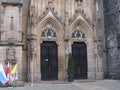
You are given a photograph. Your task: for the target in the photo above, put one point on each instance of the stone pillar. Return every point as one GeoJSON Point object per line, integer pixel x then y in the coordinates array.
{"type": "Point", "coordinates": [32, 42]}
{"type": "Point", "coordinates": [98, 43]}
{"type": "Point", "coordinates": [32, 58]}
{"type": "Point", "coordinates": [66, 38]}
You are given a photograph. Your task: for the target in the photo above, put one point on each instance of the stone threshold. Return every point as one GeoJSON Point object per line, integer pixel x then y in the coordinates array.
{"type": "Point", "coordinates": [84, 80]}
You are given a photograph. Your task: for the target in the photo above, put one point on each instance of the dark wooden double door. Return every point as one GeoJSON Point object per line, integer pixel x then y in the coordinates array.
{"type": "Point", "coordinates": [79, 52]}
{"type": "Point", "coordinates": [49, 61]}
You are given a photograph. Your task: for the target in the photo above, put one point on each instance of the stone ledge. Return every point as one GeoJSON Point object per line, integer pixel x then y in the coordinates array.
{"type": "Point", "coordinates": [8, 44]}
{"type": "Point", "coordinates": [12, 3]}
{"type": "Point", "coordinates": [84, 80]}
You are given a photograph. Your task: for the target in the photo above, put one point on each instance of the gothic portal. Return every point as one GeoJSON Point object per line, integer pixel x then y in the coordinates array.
{"type": "Point", "coordinates": [42, 33]}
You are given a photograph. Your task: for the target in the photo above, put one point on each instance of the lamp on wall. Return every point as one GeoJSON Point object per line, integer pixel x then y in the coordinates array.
{"type": "Point", "coordinates": [79, 38]}
{"type": "Point", "coordinates": [49, 37]}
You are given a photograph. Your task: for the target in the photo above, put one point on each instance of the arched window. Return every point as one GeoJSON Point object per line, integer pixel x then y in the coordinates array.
{"type": "Point", "coordinates": [48, 32]}
{"type": "Point", "coordinates": [78, 34]}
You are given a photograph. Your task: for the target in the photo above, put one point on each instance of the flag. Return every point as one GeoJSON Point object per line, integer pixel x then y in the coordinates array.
{"type": "Point", "coordinates": [3, 78]}
{"type": "Point", "coordinates": [14, 69]}
{"type": "Point", "coordinates": [8, 71]}
{"type": "Point", "coordinates": [13, 74]}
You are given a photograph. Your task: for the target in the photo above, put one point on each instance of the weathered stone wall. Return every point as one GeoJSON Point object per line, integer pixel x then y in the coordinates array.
{"type": "Point", "coordinates": [25, 16]}
{"type": "Point", "coordinates": [59, 6]}
{"type": "Point", "coordinates": [111, 18]}
{"type": "Point", "coordinates": [18, 58]}
{"type": "Point", "coordinates": [19, 26]}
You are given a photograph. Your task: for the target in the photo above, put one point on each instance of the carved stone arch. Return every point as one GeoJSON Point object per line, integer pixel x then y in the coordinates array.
{"type": "Point", "coordinates": [50, 14]}
{"type": "Point", "coordinates": [52, 21]}
{"type": "Point", "coordinates": [84, 26]}
{"type": "Point", "coordinates": [89, 41]}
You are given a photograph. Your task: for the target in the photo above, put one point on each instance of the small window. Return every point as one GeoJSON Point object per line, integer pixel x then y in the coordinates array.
{"type": "Point", "coordinates": [78, 34]}
{"type": "Point", "coordinates": [49, 32]}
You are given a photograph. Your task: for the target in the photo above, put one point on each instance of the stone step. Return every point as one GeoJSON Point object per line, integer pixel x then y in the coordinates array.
{"type": "Point", "coordinates": [17, 83]}
{"type": "Point", "coordinates": [84, 80]}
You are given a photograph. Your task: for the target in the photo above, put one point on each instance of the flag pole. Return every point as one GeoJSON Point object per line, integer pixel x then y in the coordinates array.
{"type": "Point", "coordinates": [32, 71]}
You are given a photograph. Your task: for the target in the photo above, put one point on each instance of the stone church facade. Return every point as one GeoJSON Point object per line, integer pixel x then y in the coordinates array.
{"type": "Point", "coordinates": [39, 35]}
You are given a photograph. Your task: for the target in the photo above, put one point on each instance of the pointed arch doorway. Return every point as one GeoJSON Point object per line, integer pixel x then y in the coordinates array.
{"type": "Point", "coordinates": [79, 52]}
{"type": "Point", "coordinates": [49, 60]}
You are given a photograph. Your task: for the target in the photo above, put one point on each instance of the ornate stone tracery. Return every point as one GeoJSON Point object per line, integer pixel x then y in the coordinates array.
{"type": "Point", "coordinates": [78, 34]}
{"type": "Point", "coordinates": [49, 31]}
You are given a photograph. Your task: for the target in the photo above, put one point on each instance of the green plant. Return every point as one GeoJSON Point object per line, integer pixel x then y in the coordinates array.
{"type": "Point", "coordinates": [70, 70]}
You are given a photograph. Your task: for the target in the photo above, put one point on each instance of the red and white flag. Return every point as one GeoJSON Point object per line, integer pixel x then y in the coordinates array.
{"type": "Point", "coordinates": [8, 71]}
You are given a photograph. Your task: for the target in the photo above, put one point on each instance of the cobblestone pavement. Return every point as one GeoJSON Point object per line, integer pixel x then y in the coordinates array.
{"type": "Point", "coordinates": [76, 85]}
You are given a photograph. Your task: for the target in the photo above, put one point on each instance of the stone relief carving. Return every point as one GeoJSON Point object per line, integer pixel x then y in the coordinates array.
{"type": "Point", "coordinates": [50, 7]}
{"type": "Point", "coordinates": [32, 48]}
{"type": "Point", "coordinates": [100, 48]}
{"type": "Point", "coordinates": [112, 44]}
{"type": "Point", "coordinates": [10, 55]}
{"type": "Point", "coordinates": [32, 16]}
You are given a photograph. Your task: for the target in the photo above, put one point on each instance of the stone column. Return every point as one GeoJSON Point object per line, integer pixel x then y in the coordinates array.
{"type": "Point", "coordinates": [32, 58]}
{"type": "Point", "coordinates": [32, 41]}
{"type": "Point", "coordinates": [66, 37]}
{"type": "Point", "coordinates": [98, 43]}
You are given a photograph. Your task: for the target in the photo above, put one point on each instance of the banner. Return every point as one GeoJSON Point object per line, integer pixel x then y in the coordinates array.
{"type": "Point", "coordinates": [3, 78]}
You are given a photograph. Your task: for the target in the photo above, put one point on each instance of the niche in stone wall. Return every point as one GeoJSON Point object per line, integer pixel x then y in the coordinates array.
{"type": "Point", "coordinates": [11, 27]}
